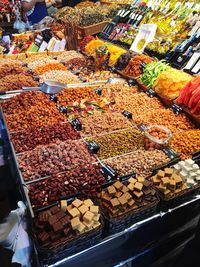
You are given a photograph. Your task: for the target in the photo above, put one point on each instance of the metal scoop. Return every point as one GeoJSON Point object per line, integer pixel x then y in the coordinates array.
{"type": "Point", "coordinates": [52, 87]}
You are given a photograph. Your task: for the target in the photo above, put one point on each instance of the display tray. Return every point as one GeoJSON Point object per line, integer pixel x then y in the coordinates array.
{"type": "Point", "coordinates": [127, 77]}
{"type": "Point", "coordinates": [69, 247]}
{"type": "Point", "coordinates": [117, 224]}
{"type": "Point", "coordinates": [93, 29]}
{"type": "Point", "coordinates": [178, 199]}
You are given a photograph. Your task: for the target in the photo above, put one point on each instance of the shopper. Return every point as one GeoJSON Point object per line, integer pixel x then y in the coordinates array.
{"type": "Point", "coordinates": [73, 3]}
{"type": "Point", "coordinates": [35, 10]}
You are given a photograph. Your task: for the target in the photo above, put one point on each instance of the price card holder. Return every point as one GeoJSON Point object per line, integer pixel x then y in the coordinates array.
{"type": "Point", "coordinates": [76, 124]}
{"type": "Point", "coordinates": [176, 109]}
{"type": "Point", "coordinates": [141, 127]}
{"type": "Point", "coordinates": [36, 78]}
{"type": "Point", "coordinates": [170, 153]}
{"type": "Point", "coordinates": [98, 91]}
{"type": "Point", "coordinates": [30, 71]}
{"type": "Point", "coordinates": [127, 114]}
{"type": "Point", "coordinates": [62, 109]}
{"type": "Point", "coordinates": [84, 80]}
{"type": "Point", "coordinates": [131, 82]}
{"type": "Point", "coordinates": [196, 156]}
{"type": "Point", "coordinates": [53, 98]}
{"type": "Point", "coordinates": [109, 173]}
{"type": "Point", "coordinates": [126, 177]}
{"type": "Point", "coordinates": [111, 69]}
{"type": "Point", "coordinates": [93, 147]}
{"type": "Point", "coordinates": [151, 93]}
{"type": "Point", "coordinates": [142, 66]}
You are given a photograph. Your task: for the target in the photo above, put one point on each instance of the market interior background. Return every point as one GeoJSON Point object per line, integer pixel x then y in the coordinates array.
{"type": "Point", "coordinates": [100, 138]}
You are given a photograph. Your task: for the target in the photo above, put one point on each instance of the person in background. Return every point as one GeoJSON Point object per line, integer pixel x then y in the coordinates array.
{"type": "Point", "coordinates": [73, 3]}
{"type": "Point", "coordinates": [35, 10]}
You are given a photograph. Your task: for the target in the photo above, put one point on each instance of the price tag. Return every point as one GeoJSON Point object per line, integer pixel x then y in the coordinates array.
{"type": "Point", "coordinates": [170, 153]}
{"type": "Point", "coordinates": [141, 127]}
{"type": "Point", "coordinates": [62, 109]}
{"type": "Point", "coordinates": [75, 72]}
{"type": "Point", "coordinates": [151, 93]}
{"type": "Point", "coordinates": [53, 98]}
{"type": "Point", "coordinates": [176, 109]}
{"type": "Point", "coordinates": [84, 80]}
{"type": "Point", "coordinates": [98, 91]}
{"type": "Point", "coordinates": [126, 177]}
{"type": "Point", "coordinates": [196, 155]}
{"type": "Point", "coordinates": [76, 124]}
{"type": "Point", "coordinates": [142, 66]}
{"type": "Point", "coordinates": [93, 147]}
{"type": "Point", "coordinates": [111, 69]}
{"type": "Point", "coordinates": [30, 71]}
{"type": "Point", "coordinates": [108, 173]}
{"type": "Point", "coordinates": [131, 82]}
{"type": "Point", "coordinates": [36, 78]}
{"type": "Point", "coordinates": [127, 114]}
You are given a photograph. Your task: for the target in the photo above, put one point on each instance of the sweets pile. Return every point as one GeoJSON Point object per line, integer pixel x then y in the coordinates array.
{"type": "Point", "coordinates": [58, 224]}
{"type": "Point", "coordinates": [118, 198]}
{"type": "Point", "coordinates": [189, 171]}
{"type": "Point", "coordinates": [134, 68]}
{"type": "Point", "coordinates": [168, 182]}
{"type": "Point", "coordinates": [49, 190]}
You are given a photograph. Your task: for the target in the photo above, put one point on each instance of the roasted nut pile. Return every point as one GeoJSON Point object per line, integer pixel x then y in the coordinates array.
{"type": "Point", "coordinates": [100, 123]}
{"type": "Point", "coordinates": [119, 142]}
{"type": "Point", "coordinates": [141, 162]}
{"type": "Point", "coordinates": [167, 118]}
{"type": "Point", "coordinates": [73, 96]}
{"type": "Point", "coordinates": [66, 56]}
{"type": "Point", "coordinates": [31, 138]}
{"type": "Point", "coordinates": [53, 158]}
{"type": "Point", "coordinates": [16, 82]}
{"type": "Point", "coordinates": [60, 76]}
{"type": "Point", "coordinates": [34, 64]}
{"type": "Point", "coordinates": [85, 179]}
{"type": "Point", "coordinates": [49, 67]}
{"type": "Point", "coordinates": [138, 104]}
{"type": "Point", "coordinates": [186, 143]}
{"type": "Point", "coordinates": [118, 92]}
{"type": "Point", "coordinates": [11, 67]}
{"type": "Point", "coordinates": [30, 109]}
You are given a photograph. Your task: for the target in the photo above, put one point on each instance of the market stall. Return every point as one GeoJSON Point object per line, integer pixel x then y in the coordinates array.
{"type": "Point", "coordinates": [103, 141]}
